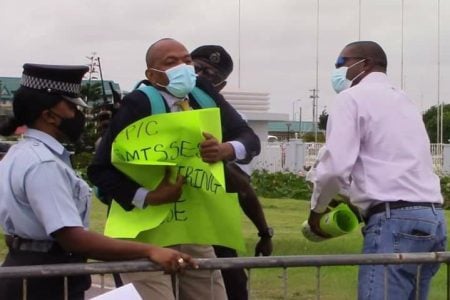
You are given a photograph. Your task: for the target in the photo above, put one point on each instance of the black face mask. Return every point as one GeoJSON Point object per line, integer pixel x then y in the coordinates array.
{"type": "Point", "coordinates": [72, 127]}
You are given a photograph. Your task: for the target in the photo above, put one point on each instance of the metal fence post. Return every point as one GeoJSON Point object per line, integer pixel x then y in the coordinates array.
{"type": "Point", "coordinates": [176, 280]}
{"type": "Point", "coordinates": [318, 283]}
{"type": "Point", "coordinates": [66, 288]}
{"type": "Point", "coordinates": [285, 277]}
{"type": "Point", "coordinates": [386, 284]}
{"type": "Point", "coordinates": [24, 289]}
{"type": "Point", "coordinates": [419, 274]}
{"type": "Point", "coordinates": [249, 286]}
{"type": "Point", "coordinates": [448, 281]}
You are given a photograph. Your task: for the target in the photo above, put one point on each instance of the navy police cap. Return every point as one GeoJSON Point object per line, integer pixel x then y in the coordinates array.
{"type": "Point", "coordinates": [216, 56]}
{"type": "Point", "coordinates": [55, 79]}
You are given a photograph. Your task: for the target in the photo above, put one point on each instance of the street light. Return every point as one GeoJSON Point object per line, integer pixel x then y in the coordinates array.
{"type": "Point", "coordinates": [300, 116]}
{"type": "Point", "coordinates": [315, 102]}
{"type": "Point", "coordinates": [293, 109]}
{"type": "Point", "coordinates": [300, 122]}
{"type": "Point", "coordinates": [288, 125]}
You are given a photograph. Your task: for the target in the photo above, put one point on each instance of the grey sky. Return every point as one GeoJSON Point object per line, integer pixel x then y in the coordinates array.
{"type": "Point", "coordinates": [278, 40]}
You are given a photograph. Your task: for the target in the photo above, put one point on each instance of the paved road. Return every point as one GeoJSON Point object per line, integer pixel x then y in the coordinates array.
{"type": "Point", "coordinates": [98, 287]}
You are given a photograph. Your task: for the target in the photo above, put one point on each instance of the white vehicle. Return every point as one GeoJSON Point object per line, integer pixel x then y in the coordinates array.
{"type": "Point", "coordinates": [272, 138]}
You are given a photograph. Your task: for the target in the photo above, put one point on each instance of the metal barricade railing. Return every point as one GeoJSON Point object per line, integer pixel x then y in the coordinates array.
{"type": "Point", "coordinates": [437, 154]}
{"type": "Point", "coordinates": [272, 156]}
{"type": "Point", "coordinates": [311, 152]}
{"type": "Point", "coordinates": [248, 263]}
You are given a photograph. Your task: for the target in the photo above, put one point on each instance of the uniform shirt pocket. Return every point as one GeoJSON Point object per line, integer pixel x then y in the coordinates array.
{"type": "Point", "coordinates": [82, 196]}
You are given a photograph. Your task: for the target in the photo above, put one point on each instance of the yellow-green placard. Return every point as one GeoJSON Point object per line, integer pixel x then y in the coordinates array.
{"type": "Point", "coordinates": [205, 213]}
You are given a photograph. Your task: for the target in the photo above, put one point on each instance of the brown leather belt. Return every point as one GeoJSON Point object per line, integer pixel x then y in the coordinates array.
{"type": "Point", "coordinates": [17, 243]}
{"type": "Point", "coordinates": [379, 208]}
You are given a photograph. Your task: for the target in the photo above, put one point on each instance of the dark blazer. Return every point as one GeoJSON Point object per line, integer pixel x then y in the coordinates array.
{"type": "Point", "coordinates": [136, 106]}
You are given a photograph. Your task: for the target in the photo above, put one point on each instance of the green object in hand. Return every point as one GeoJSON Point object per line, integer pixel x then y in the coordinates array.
{"type": "Point", "coordinates": [339, 220]}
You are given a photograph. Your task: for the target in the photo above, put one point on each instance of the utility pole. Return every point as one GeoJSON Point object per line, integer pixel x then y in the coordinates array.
{"type": "Point", "coordinates": [300, 123]}
{"type": "Point", "coordinates": [315, 102]}
{"type": "Point", "coordinates": [93, 64]}
{"type": "Point", "coordinates": [315, 95]}
{"type": "Point", "coordinates": [299, 116]}
{"type": "Point", "coordinates": [239, 45]}
{"type": "Point", "coordinates": [105, 100]}
{"type": "Point", "coordinates": [439, 137]}
{"type": "Point", "coordinates": [94, 72]}
{"type": "Point", "coordinates": [293, 110]}
{"type": "Point", "coordinates": [288, 125]}
{"type": "Point", "coordinates": [95, 67]}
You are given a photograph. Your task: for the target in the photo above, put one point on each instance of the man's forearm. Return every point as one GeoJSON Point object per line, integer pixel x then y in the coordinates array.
{"type": "Point", "coordinates": [113, 183]}
{"type": "Point", "coordinates": [252, 208]}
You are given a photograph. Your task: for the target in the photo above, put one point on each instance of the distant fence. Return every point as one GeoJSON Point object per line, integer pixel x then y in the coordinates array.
{"type": "Point", "coordinates": [293, 156]}
{"type": "Point", "coordinates": [249, 263]}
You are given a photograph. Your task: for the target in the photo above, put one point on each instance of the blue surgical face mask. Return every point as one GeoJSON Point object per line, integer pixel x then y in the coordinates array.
{"type": "Point", "coordinates": [339, 79]}
{"type": "Point", "coordinates": [182, 80]}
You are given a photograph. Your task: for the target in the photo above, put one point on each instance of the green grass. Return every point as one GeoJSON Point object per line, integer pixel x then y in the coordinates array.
{"type": "Point", "coordinates": [286, 216]}
{"type": "Point", "coordinates": [336, 283]}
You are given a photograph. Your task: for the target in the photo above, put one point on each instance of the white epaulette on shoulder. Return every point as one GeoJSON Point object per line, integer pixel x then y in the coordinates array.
{"type": "Point", "coordinates": [41, 151]}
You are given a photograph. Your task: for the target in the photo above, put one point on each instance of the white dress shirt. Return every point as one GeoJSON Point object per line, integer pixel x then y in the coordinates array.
{"type": "Point", "coordinates": [376, 137]}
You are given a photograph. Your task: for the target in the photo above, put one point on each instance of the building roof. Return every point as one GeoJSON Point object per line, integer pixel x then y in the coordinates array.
{"type": "Point", "coordinates": [294, 126]}
{"type": "Point", "coordinates": [8, 85]}
{"type": "Point", "coordinates": [106, 84]}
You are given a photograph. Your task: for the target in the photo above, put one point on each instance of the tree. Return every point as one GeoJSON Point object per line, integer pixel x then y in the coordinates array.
{"type": "Point", "coordinates": [430, 120]}
{"type": "Point", "coordinates": [91, 93]}
{"type": "Point", "coordinates": [309, 137]}
{"type": "Point", "coordinates": [323, 119]}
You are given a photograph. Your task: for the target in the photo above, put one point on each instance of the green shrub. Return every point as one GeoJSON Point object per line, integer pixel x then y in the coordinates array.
{"type": "Point", "coordinates": [280, 185]}
{"type": "Point", "coordinates": [80, 162]}
{"type": "Point", "coordinates": [309, 137]}
{"type": "Point", "coordinates": [290, 185]}
{"type": "Point", "coordinates": [445, 189]}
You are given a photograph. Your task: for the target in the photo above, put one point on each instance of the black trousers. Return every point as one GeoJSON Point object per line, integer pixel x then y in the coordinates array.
{"type": "Point", "coordinates": [39, 288]}
{"type": "Point", "coordinates": [235, 279]}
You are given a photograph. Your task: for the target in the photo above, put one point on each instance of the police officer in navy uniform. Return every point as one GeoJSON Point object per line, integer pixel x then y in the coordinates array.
{"type": "Point", "coordinates": [44, 204]}
{"type": "Point", "coordinates": [215, 64]}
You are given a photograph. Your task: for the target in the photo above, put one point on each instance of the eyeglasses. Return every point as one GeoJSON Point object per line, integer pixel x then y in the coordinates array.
{"type": "Point", "coordinates": [342, 59]}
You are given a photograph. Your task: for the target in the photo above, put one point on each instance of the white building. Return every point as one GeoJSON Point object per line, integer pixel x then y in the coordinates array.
{"type": "Point", "coordinates": [255, 108]}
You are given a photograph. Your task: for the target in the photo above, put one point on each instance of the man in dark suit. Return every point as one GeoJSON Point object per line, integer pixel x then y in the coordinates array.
{"type": "Point", "coordinates": [215, 64]}
{"type": "Point", "coordinates": [170, 70]}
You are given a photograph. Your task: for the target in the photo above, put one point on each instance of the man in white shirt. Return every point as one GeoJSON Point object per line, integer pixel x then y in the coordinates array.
{"type": "Point", "coordinates": [376, 138]}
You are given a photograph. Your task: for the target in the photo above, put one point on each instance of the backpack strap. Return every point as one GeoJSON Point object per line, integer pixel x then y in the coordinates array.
{"type": "Point", "coordinates": [138, 84]}
{"type": "Point", "coordinates": [154, 97]}
{"type": "Point", "coordinates": [157, 103]}
{"type": "Point", "coordinates": [203, 99]}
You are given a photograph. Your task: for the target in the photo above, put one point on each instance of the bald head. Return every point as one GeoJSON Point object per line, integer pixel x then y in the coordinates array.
{"type": "Point", "coordinates": [370, 50]}
{"type": "Point", "coordinates": [163, 55]}
{"type": "Point", "coordinates": [161, 49]}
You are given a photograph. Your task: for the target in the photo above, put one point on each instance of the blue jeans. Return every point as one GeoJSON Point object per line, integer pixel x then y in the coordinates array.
{"type": "Point", "coordinates": [409, 229]}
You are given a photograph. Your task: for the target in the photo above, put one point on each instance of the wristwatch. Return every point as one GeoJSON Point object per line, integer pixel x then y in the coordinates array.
{"type": "Point", "coordinates": [268, 233]}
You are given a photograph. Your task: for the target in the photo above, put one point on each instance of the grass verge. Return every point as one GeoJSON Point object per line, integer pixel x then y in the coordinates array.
{"type": "Point", "coordinates": [286, 216]}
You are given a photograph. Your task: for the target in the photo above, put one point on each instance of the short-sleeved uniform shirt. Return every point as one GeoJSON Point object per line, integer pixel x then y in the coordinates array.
{"type": "Point", "coordinates": [39, 191]}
